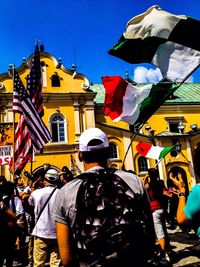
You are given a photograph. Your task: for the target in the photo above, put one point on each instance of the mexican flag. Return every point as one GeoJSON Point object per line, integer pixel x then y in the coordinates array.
{"type": "Point", "coordinates": [165, 40]}
{"type": "Point", "coordinates": [133, 104]}
{"type": "Point", "coordinates": [153, 152]}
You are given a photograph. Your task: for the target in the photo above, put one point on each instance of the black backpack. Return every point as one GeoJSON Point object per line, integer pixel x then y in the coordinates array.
{"type": "Point", "coordinates": [112, 225]}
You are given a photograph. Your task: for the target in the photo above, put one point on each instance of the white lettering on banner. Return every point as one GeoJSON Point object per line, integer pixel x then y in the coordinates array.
{"type": "Point", "coordinates": [5, 160]}
{"type": "Point", "coordinates": [5, 155]}
{"type": "Point", "coordinates": [5, 150]}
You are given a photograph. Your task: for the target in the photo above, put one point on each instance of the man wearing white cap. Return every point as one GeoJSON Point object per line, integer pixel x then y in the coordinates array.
{"type": "Point", "coordinates": [99, 183]}
{"type": "Point", "coordinates": [44, 231]}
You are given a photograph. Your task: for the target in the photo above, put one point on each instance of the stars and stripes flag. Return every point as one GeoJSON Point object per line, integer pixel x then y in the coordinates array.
{"type": "Point", "coordinates": [34, 84]}
{"type": "Point", "coordinates": [30, 105]}
{"type": "Point", "coordinates": [22, 103]}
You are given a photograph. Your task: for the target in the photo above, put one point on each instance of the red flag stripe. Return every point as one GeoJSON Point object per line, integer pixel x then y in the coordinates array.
{"type": "Point", "coordinates": [143, 148]}
{"type": "Point", "coordinates": [115, 87]}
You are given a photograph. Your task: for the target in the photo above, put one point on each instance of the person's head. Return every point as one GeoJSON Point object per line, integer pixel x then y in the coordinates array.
{"type": "Point", "coordinates": [18, 180]}
{"type": "Point", "coordinates": [30, 180]}
{"type": "Point", "coordinates": [196, 161]}
{"type": "Point", "coordinates": [51, 176]}
{"type": "Point", "coordinates": [2, 179]}
{"type": "Point", "coordinates": [65, 175]}
{"type": "Point", "coordinates": [94, 147]}
{"type": "Point", "coordinates": [153, 175]}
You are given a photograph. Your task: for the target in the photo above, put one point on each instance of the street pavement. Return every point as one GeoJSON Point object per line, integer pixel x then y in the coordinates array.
{"type": "Point", "coordinates": [182, 242]}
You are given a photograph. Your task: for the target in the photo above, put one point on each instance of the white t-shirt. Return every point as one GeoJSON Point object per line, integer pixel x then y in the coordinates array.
{"type": "Point", "coordinates": [45, 226]}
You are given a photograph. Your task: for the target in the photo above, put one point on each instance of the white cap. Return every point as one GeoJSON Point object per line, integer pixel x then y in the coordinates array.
{"type": "Point", "coordinates": [52, 175]}
{"type": "Point", "coordinates": [89, 135]}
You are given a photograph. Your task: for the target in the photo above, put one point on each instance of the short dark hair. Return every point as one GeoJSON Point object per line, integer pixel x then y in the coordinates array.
{"type": "Point", "coordinates": [99, 155]}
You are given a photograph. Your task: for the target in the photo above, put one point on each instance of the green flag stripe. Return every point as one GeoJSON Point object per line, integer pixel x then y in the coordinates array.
{"type": "Point", "coordinates": [165, 151]}
{"type": "Point", "coordinates": [159, 93]}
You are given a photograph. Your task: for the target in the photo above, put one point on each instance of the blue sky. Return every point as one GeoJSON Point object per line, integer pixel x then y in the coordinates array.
{"type": "Point", "coordinates": [79, 31]}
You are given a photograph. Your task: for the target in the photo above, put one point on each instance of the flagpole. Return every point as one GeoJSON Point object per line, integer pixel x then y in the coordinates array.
{"type": "Point", "coordinates": [31, 167]}
{"type": "Point", "coordinates": [132, 139]}
{"type": "Point", "coordinates": [187, 76]}
{"type": "Point", "coordinates": [158, 163]}
{"type": "Point", "coordinates": [13, 158]}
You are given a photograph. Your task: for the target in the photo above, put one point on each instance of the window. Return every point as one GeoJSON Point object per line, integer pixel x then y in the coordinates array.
{"type": "Point", "coordinates": [173, 127]}
{"type": "Point", "coordinates": [142, 164]}
{"type": "Point", "coordinates": [57, 128]}
{"type": "Point", "coordinates": [113, 153]}
{"type": "Point", "coordinates": [55, 80]}
{"type": "Point", "coordinates": [175, 124]}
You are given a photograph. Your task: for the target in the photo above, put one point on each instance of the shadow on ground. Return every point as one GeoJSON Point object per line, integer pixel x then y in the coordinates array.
{"type": "Point", "coordinates": [184, 250]}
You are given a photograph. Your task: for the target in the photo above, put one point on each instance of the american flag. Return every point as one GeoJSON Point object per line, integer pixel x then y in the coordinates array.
{"type": "Point", "coordinates": [34, 84]}
{"type": "Point", "coordinates": [38, 131]}
{"type": "Point", "coordinates": [32, 98]}
{"type": "Point", "coordinates": [23, 146]}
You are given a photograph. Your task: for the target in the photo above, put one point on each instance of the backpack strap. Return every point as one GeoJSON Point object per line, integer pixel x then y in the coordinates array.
{"type": "Point", "coordinates": [45, 204]}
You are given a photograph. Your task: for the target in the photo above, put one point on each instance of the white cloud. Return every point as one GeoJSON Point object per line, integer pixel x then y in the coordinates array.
{"type": "Point", "coordinates": [144, 75]}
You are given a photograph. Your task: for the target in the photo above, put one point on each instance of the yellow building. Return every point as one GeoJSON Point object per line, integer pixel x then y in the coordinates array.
{"type": "Point", "coordinates": [72, 104]}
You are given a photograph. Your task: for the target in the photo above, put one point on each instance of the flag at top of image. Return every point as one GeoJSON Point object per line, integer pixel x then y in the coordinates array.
{"type": "Point", "coordinates": [153, 152]}
{"type": "Point", "coordinates": [133, 104]}
{"type": "Point", "coordinates": [168, 41]}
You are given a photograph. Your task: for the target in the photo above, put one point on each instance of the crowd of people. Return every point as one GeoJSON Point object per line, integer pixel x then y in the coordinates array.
{"type": "Point", "coordinates": [101, 218]}
{"type": "Point", "coordinates": [24, 221]}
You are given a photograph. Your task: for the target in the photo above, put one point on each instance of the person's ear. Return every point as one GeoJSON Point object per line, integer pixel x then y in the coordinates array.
{"type": "Point", "coordinates": [80, 156]}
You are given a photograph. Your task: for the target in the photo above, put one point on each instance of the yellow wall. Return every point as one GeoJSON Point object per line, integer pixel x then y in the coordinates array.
{"type": "Point", "coordinates": [74, 100]}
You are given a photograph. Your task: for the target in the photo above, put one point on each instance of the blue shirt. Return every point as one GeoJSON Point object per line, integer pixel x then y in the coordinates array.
{"type": "Point", "coordinates": [192, 208]}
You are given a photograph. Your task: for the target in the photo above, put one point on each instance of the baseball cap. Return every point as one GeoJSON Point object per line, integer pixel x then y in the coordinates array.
{"type": "Point", "coordinates": [52, 175]}
{"type": "Point", "coordinates": [92, 134]}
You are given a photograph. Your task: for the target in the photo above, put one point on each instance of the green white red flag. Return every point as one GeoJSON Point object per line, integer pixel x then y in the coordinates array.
{"type": "Point", "coordinates": [133, 104]}
{"type": "Point", "coordinates": [163, 39]}
{"type": "Point", "coordinates": [153, 152]}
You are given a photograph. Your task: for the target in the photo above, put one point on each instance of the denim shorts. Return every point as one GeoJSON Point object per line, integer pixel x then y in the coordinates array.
{"type": "Point", "coordinates": [159, 220]}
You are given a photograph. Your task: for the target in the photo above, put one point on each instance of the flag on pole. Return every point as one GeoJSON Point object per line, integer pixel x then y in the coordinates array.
{"type": "Point", "coordinates": [133, 104]}
{"type": "Point", "coordinates": [153, 152]}
{"type": "Point", "coordinates": [23, 146]}
{"type": "Point", "coordinates": [165, 40]}
{"type": "Point", "coordinates": [23, 143]}
{"type": "Point", "coordinates": [34, 83]}
{"type": "Point", "coordinates": [22, 103]}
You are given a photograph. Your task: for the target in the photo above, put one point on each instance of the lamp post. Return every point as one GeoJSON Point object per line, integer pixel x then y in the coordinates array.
{"type": "Point", "coordinates": [194, 127]}
{"type": "Point", "coordinates": [181, 127]}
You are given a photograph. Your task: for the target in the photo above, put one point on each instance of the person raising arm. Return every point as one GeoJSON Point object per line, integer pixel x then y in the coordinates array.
{"type": "Point", "coordinates": [189, 208]}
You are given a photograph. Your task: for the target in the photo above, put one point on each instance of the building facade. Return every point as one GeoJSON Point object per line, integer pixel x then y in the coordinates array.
{"type": "Point", "coordinates": [72, 104]}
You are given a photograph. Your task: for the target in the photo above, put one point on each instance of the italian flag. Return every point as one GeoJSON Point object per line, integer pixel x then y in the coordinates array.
{"type": "Point", "coordinates": [153, 152]}
{"type": "Point", "coordinates": [133, 104]}
{"type": "Point", "coordinates": [165, 40]}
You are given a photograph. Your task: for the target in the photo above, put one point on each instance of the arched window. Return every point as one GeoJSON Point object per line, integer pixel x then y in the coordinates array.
{"type": "Point", "coordinates": [55, 80]}
{"type": "Point", "coordinates": [113, 153]}
{"type": "Point", "coordinates": [57, 128]}
{"type": "Point", "coordinates": [142, 164]}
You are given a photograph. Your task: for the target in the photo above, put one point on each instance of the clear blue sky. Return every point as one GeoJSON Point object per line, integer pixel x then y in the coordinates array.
{"type": "Point", "coordinates": [79, 31]}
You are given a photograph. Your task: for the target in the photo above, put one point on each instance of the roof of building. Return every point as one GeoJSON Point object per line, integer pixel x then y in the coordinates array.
{"type": "Point", "coordinates": [187, 93]}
